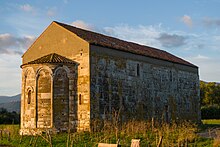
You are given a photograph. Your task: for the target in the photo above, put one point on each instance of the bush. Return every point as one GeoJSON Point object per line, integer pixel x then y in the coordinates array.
{"type": "Point", "coordinates": [210, 112]}
{"type": "Point", "coordinates": [9, 117]}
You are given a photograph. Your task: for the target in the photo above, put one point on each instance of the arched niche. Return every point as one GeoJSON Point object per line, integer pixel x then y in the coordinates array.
{"type": "Point", "coordinates": [61, 99]}
{"type": "Point", "coordinates": [29, 96]}
{"type": "Point", "coordinates": [28, 105]}
{"type": "Point", "coordinates": [29, 81]}
{"type": "Point", "coordinates": [44, 101]}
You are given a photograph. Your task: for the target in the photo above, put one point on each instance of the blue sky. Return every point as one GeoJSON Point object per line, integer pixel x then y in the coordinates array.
{"type": "Point", "coordinates": [189, 29]}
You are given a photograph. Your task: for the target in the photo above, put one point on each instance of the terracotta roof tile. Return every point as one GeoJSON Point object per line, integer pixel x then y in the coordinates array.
{"type": "Point", "coordinates": [111, 42]}
{"type": "Point", "coordinates": [51, 58]}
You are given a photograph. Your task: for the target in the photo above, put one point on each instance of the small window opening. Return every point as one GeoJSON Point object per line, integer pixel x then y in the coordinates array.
{"type": "Point", "coordinates": [29, 97]}
{"type": "Point", "coordinates": [171, 76]}
{"type": "Point", "coordinates": [80, 99]}
{"type": "Point", "coordinates": [138, 70]}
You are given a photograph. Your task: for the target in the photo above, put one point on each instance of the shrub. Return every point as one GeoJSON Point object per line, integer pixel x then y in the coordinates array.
{"type": "Point", "coordinates": [9, 117]}
{"type": "Point", "coordinates": [210, 112]}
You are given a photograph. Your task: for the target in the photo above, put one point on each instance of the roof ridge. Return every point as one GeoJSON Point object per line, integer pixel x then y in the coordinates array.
{"type": "Point", "coordinates": [103, 40]}
{"type": "Point", "coordinates": [59, 23]}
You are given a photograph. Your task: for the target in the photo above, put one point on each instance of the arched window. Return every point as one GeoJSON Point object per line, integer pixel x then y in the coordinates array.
{"type": "Point", "coordinates": [29, 97]}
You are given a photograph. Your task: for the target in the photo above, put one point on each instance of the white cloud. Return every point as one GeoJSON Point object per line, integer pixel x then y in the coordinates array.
{"type": "Point", "coordinates": [154, 36]}
{"type": "Point", "coordinates": [26, 7]}
{"type": "Point", "coordinates": [187, 20]}
{"type": "Point", "coordinates": [51, 11]}
{"type": "Point", "coordinates": [10, 44]}
{"type": "Point", "coordinates": [140, 34]}
{"type": "Point", "coordinates": [83, 25]}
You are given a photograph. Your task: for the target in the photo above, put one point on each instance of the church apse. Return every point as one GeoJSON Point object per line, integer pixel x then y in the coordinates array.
{"type": "Point", "coordinates": [48, 96]}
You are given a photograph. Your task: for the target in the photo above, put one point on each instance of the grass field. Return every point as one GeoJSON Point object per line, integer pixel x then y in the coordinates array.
{"type": "Point", "coordinates": [184, 134]}
{"type": "Point", "coordinates": [211, 121]}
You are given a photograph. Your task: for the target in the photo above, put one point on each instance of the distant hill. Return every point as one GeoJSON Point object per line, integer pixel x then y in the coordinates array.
{"type": "Point", "coordinates": [6, 99]}
{"type": "Point", "coordinates": [11, 106]}
{"type": "Point", "coordinates": [11, 103]}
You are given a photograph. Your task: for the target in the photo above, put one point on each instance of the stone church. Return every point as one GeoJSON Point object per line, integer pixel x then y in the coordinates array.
{"type": "Point", "coordinates": [72, 76]}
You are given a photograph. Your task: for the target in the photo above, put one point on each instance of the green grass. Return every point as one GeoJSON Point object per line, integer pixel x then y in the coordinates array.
{"type": "Point", "coordinates": [210, 124]}
{"type": "Point", "coordinates": [173, 135]}
{"type": "Point", "coordinates": [211, 121]}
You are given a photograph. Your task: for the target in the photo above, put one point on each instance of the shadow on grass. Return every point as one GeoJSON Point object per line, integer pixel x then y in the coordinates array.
{"type": "Point", "coordinates": [209, 126]}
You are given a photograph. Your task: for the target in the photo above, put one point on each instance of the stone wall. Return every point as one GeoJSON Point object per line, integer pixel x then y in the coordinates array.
{"type": "Point", "coordinates": [61, 99]}
{"type": "Point", "coordinates": [49, 98]}
{"type": "Point", "coordinates": [28, 94]}
{"type": "Point", "coordinates": [142, 88]}
{"type": "Point", "coordinates": [56, 39]}
{"type": "Point", "coordinates": [44, 99]}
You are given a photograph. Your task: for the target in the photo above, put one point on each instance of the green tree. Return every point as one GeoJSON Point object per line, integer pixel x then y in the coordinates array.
{"type": "Point", "coordinates": [209, 93]}
{"type": "Point", "coordinates": [8, 117]}
{"type": "Point", "coordinates": [202, 92]}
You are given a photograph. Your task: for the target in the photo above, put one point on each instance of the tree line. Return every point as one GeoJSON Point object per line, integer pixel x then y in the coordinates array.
{"type": "Point", "coordinates": [209, 93]}
{"type": "Point", "coordinates": [210, 100]}
{"type": "Point", "coordinates": [9, 117]}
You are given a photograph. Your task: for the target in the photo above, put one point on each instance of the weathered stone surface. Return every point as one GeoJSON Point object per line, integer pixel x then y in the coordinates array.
{"type": "Point", "coordinates": [52, 103]}
{"type": "Point", "coordinates": [102, 81]}
{"type": "Point", "coordinates": [139, 89]}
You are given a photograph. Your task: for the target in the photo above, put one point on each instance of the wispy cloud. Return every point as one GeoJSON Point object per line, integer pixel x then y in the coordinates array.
{"type": "Point", "coordinates": [140, 34]}
{"type": "Point", "coordinates": [201, 57]}
{"type": "Point", "coordinates": [159, 37]}
{"type": "Point", "coordinates": [65, 1]}
{"type": "Point", "coordinates": [51, 11]}
{"type": "Point", "coordinates": [171, 40]}
{"type": "Point", "coordinates": [39, 11]}
{"type": "Point", "coordinates": [27, 8]}
{"type": "Point", "coordinates": [10, 44]}
{"type": "Point", "coordinates": [187, 20]}
{"type": "Point", "coordinates": [83, 25]}
{"type": "Point", "coordinates": [207, 21]}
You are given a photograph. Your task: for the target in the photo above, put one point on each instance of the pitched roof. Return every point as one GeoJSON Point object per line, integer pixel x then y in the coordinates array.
{"type": "Point", "coordinates": [114, 43]}
{"type": "Point", "coordinates": [51, 58]}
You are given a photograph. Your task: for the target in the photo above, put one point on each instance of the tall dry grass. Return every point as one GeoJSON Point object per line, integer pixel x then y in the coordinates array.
{"type": "Point", "coordinates": [151, 133]}
{"type": "Point", "coordinates": [216, 142]}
